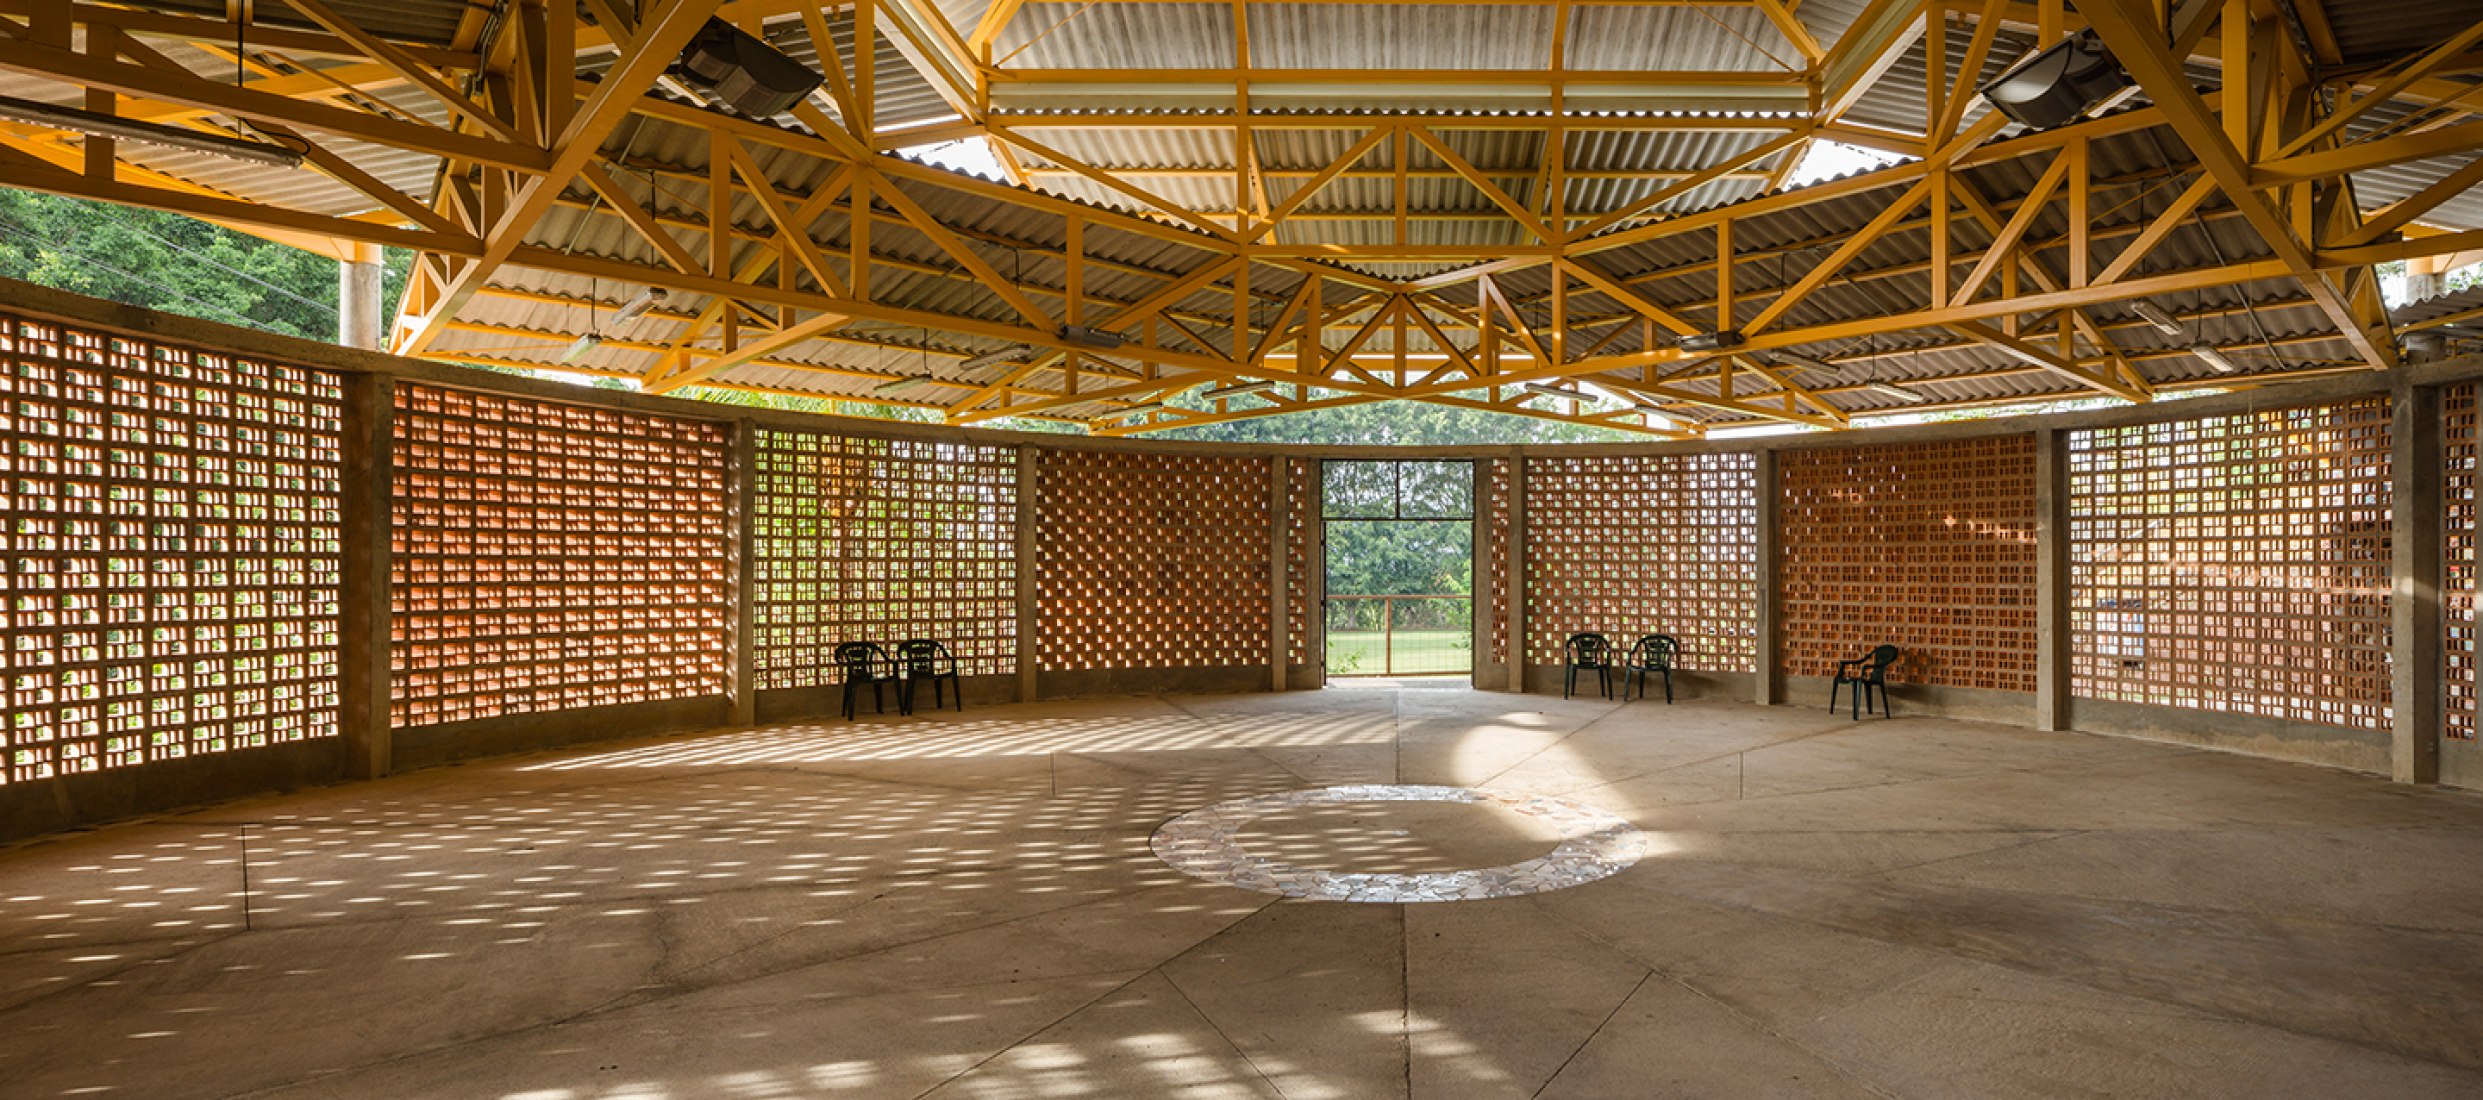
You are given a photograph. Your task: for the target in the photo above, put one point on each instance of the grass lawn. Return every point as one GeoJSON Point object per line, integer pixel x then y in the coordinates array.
{"type": "Point", "coordinates": [1362, 652]}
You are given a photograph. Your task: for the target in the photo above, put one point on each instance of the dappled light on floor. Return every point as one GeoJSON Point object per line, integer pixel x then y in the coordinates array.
{"type": "Point", "coordinates": [970, 907]}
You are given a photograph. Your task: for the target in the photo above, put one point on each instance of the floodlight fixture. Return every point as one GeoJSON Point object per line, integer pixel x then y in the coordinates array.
{"type": "Point", "coordinates": [2056, 85]}
{"type": "Point", "coordinates": [745, 72]}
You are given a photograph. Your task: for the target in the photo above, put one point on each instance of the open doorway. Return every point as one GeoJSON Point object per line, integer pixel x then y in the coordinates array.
{"type": "Point", "coordinates": [1398, 598]}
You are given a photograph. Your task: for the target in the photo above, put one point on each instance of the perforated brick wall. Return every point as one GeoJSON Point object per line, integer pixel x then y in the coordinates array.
{"type": "Point", "coordinates": [1149, 561]}
{"type": "Point", "coordinates": [170, 576]}
{"type": "Point", "coordinates": [1629, 546]}
{"type": "Point", "coordinates": [1929, 546]}
{"type": "Point", "coordinates": [2458, 405]}
{"type": "Point", "coordinates": [1494, 552]}
{"type": "Point", "coordinates": [2235, 563]}
{"type": "Point", "coordinates": [551, 557]}
{"type": "Point", "coordinates": [882, 540]}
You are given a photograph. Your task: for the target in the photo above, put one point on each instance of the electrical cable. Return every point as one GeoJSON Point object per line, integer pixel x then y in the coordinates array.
{"type": "Point", "coordinates": [39, 242]}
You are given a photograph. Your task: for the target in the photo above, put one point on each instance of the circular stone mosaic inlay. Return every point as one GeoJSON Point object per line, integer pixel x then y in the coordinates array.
{"type": "Point", "coordinates": [1594, 844]}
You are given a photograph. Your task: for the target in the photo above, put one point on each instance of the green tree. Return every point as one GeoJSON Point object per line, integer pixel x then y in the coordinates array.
{"type": "Point", "coordinates": [175, 264]}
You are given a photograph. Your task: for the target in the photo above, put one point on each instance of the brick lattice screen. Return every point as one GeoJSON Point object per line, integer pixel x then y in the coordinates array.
{"type": "Point", "coordinates": [2235, 563]}
{"type": "Point", "coordinates": [1628, 546]}
{"type": "Point", "coordinates": [2458, 403]}
{"type": "Point", "coordinates": [882, 540]}
{"type": "Point", "coordinates": [171, 567]}
{"type": "Point", "coordinates": [1302, 559]}
{"type": "Point", "coordinates": [1930, 546]}
{"type": "Point", "coordinates": [552, 556]}
{"type": "Point", "coordinates": [1150, 561]}
{"type": "Point", "coordinates": [1493, 551]}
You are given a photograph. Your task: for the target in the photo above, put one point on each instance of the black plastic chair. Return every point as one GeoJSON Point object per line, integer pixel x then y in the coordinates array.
{"type": "Point", "coordinates": [1654, 653]}
{"type": "Point", "coordinates": [924, 659]}
{"type": "Point", "coordinates": [867, 663]}
{"type": "Point", "coordinates": [1865, 672]}
{"type": "Point", "coordinates": [1589, 653]}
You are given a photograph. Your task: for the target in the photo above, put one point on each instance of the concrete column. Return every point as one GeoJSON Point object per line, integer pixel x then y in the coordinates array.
{"type": "Point", "coordinates": [1027, 681]}
{"type": "Point", "coordinates": [1767, 688]}
{"type": "Point", "coordinates": [1279, 595]}
{"type": "Point", "coordinates": [357, 299]}
{"type": "Point", "coordinates": [1517, 571]}
{"type": "Point", "coordinates": [367, 526]}
{"type": "Point", "coordinates": [2051, 579]}
{"type": "Point", "coordinates": [741, 564]}
{"type": "Point", "coordinates": [2417, 629]}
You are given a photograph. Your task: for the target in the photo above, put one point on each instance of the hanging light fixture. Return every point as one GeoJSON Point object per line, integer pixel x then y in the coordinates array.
{"type": "Point", "coordinates": [99, 124]}
{"type": "Point", "coordinates": [2154, 314]}
{"type": "Point", "coordinates": [1242, 389]}
{"type": "Point", "coordinates": [1891, 389]}
{"type": "Point", "coordinates": [2223, 364]}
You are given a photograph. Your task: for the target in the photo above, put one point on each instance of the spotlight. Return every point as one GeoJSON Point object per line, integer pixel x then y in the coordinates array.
{"type": "Point", "coordinates": [1894, 390]}
{"type": "Point", "coordinates": [1712, 341]}
{"type": "Point", "coordinates": [173, 137]}
{"type": "Point", "coordinates": [745, 72]}
{"type": "Point", "coordinates": [1243, 389]}
{"type": "Point", "coordinates": [2223, 363]}
{"type": "Point", "coordinates": [1090, 337]}
{"type": "Point", "coordinates": [2057, 84]}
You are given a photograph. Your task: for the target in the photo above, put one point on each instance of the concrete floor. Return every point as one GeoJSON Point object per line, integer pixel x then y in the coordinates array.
{"type": "Point", "coordinates": [966, 906]}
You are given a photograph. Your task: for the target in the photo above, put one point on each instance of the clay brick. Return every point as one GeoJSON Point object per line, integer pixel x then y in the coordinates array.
{"type": "Point", "coordinates": [2235, 563]}
{"type": "Point", "coordinates": [170, 577]}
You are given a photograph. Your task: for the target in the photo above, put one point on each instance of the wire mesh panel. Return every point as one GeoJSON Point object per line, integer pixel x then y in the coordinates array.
{"type": "Point", "coordinates": [1416, 635]}
{"type": "Point", "coordinates": [1629, 546]}
{"type": "Point", "coordinates": [552, 556]}
{"type": "Point", "coordinates": [882, 540]}
{"type": "Point", "coordinates": [1301, 557]}
{"type": "Point", "coordinates": [2458, 403]}
{"type": "Point", "coordinates": [2235, 563]}
{"type": "Point", "coordinates": [172, 548]}
{"type": "Point", "coordinates": [1927, 546]}
{"type": "Point", "coordinates": [1150, 561]}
